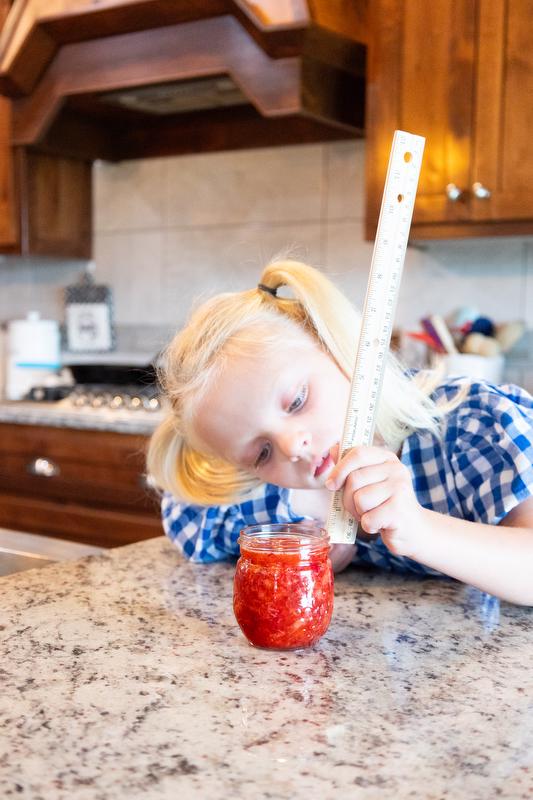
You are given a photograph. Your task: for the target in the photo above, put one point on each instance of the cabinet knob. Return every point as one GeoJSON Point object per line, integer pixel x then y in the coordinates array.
{"type": "Point", "coordinates": [43, 467]}
{"type": "Point", "coordinates": [453, 192]}
{"type": "Point", "coordinates": [480, 191]}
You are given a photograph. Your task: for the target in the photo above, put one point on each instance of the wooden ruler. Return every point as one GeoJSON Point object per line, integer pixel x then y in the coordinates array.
{"type": "Point", "coordinates": [378, 313]}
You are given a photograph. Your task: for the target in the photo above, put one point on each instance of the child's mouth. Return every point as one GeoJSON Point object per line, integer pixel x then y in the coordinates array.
{"type": "Point", "coordinates": [325, 464]}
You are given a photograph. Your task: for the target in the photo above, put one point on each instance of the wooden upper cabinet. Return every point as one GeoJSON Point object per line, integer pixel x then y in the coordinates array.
{"type": "Point", "coordinates": [9, 227]}
{"type": "Point", "coordinates": [9, 224]}
{"type": "Point", "coordinates": [45, 201]}
{"type": "Point", "coordinates": [54, 204]}
{"type": "Point", "coordinates": [461, 74]}
{"type": "Point", "coordinates": [503, 155]}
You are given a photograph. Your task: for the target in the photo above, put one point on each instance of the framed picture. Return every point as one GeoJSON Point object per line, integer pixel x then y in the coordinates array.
{"type": "Point", "coordinates": [89, 318]}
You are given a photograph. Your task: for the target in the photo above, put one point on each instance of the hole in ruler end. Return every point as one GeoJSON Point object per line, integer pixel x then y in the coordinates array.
{"type": "Point", "coordinates": [407, 156]}
{"type": "Point", "coordinates": [400, 198]}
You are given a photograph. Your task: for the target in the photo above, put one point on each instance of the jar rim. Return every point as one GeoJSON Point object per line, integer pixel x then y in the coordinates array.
{"type": "Point", "coordinates": [288, 537]}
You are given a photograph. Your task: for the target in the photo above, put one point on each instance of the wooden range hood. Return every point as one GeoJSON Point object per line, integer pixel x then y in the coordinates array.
{"type": "Point", "coordinates": [117, 79]}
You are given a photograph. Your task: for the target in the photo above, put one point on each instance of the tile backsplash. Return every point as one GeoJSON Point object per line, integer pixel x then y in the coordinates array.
{"type": "Point", "coordinates": [172, 230]}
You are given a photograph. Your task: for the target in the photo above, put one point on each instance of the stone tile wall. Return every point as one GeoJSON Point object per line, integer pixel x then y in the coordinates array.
{"type": "Point", "coordinates": [170, 231]}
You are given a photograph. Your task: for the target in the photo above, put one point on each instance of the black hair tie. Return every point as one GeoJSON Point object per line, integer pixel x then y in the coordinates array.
{"type": "Point", "coordinates": [269, 289]}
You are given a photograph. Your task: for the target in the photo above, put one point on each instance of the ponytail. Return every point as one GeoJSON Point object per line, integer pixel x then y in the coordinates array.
{"type": "Point", "coordinates": [319, 307]}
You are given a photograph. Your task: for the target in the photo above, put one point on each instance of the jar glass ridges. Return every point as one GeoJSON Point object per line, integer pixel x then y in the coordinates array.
{"type": "Point", "coordinates": [283, 589]}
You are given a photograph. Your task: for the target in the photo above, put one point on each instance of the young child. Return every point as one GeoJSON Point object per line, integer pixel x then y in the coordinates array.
{"type": "Point", "coordinates": [258, 385]}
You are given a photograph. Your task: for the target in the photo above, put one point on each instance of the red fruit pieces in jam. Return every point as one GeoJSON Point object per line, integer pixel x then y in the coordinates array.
{"type": "Point", "coordinates": [282, 601]}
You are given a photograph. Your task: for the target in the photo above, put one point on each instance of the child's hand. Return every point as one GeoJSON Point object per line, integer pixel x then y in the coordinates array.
{"type": "Point", "coordinates": [378, 493]}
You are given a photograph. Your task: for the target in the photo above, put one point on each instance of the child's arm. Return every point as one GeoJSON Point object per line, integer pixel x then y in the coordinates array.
{"type": "Point", "coordinates": [202, 533]}
{"type": "Point", "coordinates": [497, 559]}
{"type": "Point", "coordinates": [210, 533]}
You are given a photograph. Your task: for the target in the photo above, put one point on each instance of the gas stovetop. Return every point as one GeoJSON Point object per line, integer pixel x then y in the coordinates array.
{"type": "Point", "coordinates": [133, 398]}
{"type": "Point", "coordinates": [99, 396]}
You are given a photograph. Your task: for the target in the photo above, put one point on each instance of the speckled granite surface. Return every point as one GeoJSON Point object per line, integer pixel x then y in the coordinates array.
{"type": "Point", "coordinates": [125, 676]}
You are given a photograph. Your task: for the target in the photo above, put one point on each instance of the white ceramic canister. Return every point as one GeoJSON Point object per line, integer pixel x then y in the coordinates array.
{"type": "Point", "coordinates": [33, 353]}
{"type": "Point", "coordinates": [487, 368]}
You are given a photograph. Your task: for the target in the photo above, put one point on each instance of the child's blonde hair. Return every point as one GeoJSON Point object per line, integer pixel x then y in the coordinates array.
{"type": "Point", "coordinates": [243, 322]}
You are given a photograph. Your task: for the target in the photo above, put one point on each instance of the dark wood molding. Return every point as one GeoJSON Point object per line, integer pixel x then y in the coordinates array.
{"type": "Point", "coordinates": [460, 230]}
{"type": "Point", "coordinates": [280, 88]}
{"type": "Point", "coordinates": [35, 32]}
{"type": "Point", "coordinates": [32, 40]}
{"type": "Point", "coordinates": [77, 136]}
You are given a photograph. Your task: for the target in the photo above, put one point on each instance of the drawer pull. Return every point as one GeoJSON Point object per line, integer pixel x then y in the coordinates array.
{"type": "Point", "coordinates": [43, 467]}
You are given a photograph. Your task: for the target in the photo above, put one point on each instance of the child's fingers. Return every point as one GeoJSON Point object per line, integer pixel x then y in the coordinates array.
{"type": "Point", "coordinates": [365, 476]}
{"type": "Point", "coordinates": [381, 517]}
{"type": "Point", "coordinates": [366, 499]}
{"type": "Point", "coordinates": [355, 459]}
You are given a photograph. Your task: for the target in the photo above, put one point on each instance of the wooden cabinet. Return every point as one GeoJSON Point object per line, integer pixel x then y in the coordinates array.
{"type": "Point", "coordinates": [86, 486]}
{"type": "Point", "coordinates": [459, 73]}
{"type": "Point", "coordinates": [54, 205]}
{"type": "Point", "coordinates": [45, 200]}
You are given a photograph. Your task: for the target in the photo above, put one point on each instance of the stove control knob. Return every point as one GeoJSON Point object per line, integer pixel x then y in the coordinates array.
{"type": "Point", "coordinates": [151, 403]}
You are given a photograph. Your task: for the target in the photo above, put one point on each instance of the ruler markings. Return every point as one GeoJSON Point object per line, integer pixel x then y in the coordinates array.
{"type": "Point", "coordinates": [378, 310]}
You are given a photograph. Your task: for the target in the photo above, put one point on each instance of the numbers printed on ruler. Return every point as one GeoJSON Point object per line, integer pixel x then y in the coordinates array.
{"type": "Point", "coordinates": [378, 311]}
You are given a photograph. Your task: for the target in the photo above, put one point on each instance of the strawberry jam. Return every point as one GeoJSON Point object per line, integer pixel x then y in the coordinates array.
{"type": "Point", "coordinates": [283, 589]}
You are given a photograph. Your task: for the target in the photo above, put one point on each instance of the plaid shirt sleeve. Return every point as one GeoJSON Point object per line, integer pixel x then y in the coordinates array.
{"type": "Point", "coordinates": [209, 533]}
{"type": "Point", "coordinates": [492, 454]}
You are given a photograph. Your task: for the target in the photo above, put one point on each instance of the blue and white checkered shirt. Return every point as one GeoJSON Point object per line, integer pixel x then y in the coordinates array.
{"type": "Point", "coordinates": [479, 469]}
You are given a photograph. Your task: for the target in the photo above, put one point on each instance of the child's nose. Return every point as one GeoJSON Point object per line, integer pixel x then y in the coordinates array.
{"type": "Point", "coordinates": [295, 445]}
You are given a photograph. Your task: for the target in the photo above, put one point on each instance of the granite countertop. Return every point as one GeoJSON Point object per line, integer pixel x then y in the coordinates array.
{"type": "Point", "coordinates": [125, 675]}
{"type": "Point", "coordinates": [20, 412]}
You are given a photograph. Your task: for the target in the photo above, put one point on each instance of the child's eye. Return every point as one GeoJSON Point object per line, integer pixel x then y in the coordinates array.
{"type": "Point", "coordinates": [299, 400]}
{"type": "Point", "coordinates": [264, 455]}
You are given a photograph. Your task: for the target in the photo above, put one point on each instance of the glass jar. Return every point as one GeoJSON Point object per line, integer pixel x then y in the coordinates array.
{"type": "Point", "coordinates": [283, 588]}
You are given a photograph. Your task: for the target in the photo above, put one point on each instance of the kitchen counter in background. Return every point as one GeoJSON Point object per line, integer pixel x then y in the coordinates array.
{"type": "Point", "coordinates": [62, 416]}
{"type": "Point", "coordinates": [125, 675]}
{"type": "Point", "coordinates": [20, 551]}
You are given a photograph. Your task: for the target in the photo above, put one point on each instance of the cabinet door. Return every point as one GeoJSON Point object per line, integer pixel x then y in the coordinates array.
{"type": "Point", "coordinates": [55, 205]}
{"type": "Point", "coordinates": [503, 155]}
{"type": "Point", "coordinates": [9, 227]}
{"type": "Point", "coordinates": [45, 201]}
{"type": "Point", "coordinates": [421, 79]}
